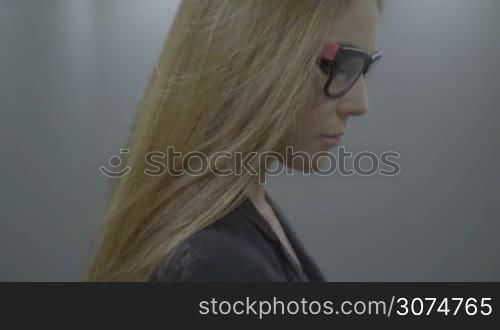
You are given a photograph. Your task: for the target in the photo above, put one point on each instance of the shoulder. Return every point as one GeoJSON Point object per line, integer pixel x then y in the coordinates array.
{"type": "Point", "coordinates": [215, 255]}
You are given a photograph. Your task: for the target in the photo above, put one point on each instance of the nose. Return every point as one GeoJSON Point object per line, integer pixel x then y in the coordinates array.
{"type": "Point", "coordinates": [355, 101]}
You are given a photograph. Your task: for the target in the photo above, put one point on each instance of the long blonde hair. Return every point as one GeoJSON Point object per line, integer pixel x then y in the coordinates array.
{"type": "Point", "coordinates": [233, 76]}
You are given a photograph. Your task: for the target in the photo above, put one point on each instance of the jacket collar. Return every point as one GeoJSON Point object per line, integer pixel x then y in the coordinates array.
{"type": "Point", "coordinates": [308, 265]}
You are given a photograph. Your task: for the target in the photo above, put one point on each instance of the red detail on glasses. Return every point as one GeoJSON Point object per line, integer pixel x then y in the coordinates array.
{"type": "Point", "coordinates": [329, 50]}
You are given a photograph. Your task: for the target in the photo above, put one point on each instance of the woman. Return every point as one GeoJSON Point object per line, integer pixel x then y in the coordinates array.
{"type": "Point", "coordinates": [235, 78]}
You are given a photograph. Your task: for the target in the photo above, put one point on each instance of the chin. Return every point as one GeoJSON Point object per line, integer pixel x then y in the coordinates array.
{"type": "Point", "coordinates": [310, 160]}
{"type": "Point", "coordinates": [306, 167]}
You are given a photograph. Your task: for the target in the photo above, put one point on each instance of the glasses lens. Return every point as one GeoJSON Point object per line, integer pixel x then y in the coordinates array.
{"type": "Point", "coordinates": [372, 66]}
{"type": "Point", "coordinates": [346, 74]}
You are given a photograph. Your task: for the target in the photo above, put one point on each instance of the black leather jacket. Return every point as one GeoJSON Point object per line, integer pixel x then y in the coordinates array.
{"type": "Point", "coordinates": [239, 247]}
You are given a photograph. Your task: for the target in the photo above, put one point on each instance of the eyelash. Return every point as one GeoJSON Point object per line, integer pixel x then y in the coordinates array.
{"type": "Point", "coordinates": [324, 66]}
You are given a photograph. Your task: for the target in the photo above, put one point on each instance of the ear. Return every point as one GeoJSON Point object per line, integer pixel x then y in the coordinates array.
{"type": "Point", "coordinates": [329, 50]}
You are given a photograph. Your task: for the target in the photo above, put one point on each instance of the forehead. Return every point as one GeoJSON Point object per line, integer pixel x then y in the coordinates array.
{"type": "Point", "coordinates": [357, 25]}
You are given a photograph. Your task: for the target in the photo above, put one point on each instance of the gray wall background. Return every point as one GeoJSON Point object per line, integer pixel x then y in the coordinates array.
{"type": "Point", "coordinates": [72, 72]}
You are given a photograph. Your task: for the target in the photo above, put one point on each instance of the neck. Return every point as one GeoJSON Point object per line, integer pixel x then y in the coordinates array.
{"type": "Point", "coordinates": [258, 196]}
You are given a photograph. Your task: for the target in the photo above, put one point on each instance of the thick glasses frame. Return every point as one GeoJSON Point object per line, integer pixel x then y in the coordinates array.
{"type": "Point", "coordinates": [329, 67]}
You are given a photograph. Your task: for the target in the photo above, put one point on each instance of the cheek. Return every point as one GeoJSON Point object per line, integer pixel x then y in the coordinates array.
{"type": "Point", "coordinates": [311, 127]}
{"type": "Point", "coordinates": [319, 82]}
{"type": "Point", "coordinates": [307, 135]}
{"type": "Point", "coordinates": [320, 103]}
{"type": "Point", "coordinates": [314, 118]}
{"type": "Point", "coordinates": [319, 111]}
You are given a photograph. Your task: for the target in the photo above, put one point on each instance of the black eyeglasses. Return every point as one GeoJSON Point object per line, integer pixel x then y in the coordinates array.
{"type": "Point", "coordinates": [344, 67]}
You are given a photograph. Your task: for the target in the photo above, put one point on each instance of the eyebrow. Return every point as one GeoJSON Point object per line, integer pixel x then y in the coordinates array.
{"type": "Point", "coordinates": [349, 44]}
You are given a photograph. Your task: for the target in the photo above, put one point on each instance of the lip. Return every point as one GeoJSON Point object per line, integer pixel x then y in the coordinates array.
{"type": "Point", "coordinates": [331, 139]}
